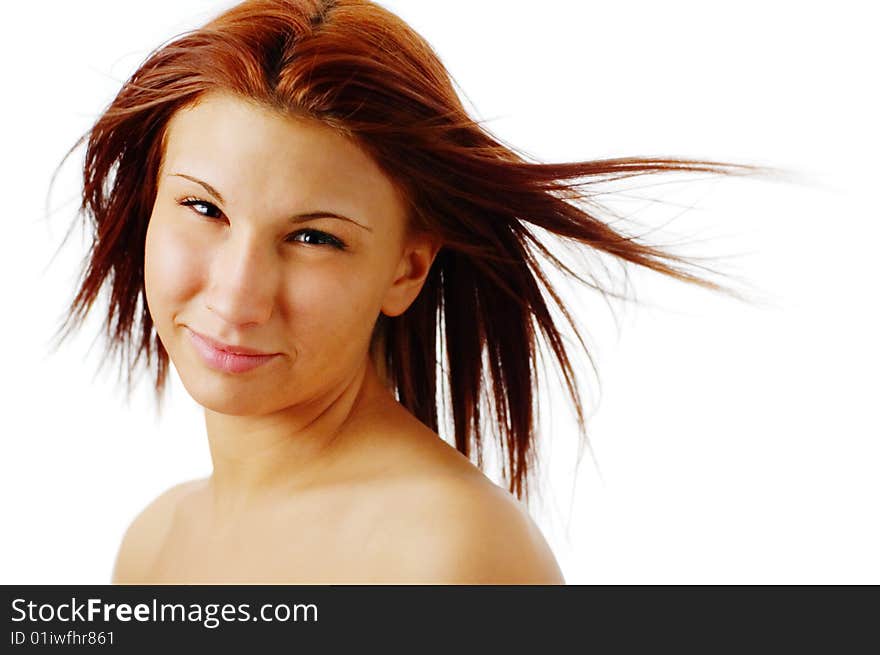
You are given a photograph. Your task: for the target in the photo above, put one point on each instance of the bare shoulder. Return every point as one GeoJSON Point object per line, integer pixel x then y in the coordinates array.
{"type": "Point", "coordinates": [145, 533]}
{"type": "Point", "coordinates": [463, 529]}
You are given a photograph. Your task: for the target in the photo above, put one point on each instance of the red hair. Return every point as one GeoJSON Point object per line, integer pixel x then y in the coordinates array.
{"type": "Point", "coordinates": [361, 70]}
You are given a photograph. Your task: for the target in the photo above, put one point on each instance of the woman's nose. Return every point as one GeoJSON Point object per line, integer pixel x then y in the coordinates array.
{"type": "Point", "coordinates": [243, 281]}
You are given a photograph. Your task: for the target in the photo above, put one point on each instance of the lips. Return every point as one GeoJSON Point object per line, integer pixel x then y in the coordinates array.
{"type": "Point", "coordinates": [227, 358]}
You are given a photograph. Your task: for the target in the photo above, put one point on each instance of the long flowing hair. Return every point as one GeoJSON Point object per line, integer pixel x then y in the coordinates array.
{"type": "Point", "coordinates": [486, 306]}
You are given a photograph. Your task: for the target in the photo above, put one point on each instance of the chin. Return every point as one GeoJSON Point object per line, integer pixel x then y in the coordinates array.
{"type": "Point", "coordinates": [226, 395]}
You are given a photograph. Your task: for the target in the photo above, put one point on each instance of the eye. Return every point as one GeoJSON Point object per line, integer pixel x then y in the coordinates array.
{"type": "Point", "coordinates": [316, 237]}
{"type": "Point", "coordinates": [192, 202]}
{"type": "Point", "coordinates": [309, 236]}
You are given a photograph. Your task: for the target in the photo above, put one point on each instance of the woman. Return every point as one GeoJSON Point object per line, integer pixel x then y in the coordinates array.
{"type": "Point", "coordinates": [292, 202]}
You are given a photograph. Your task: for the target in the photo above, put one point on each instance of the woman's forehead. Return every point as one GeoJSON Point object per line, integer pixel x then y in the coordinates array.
{"type": "Point", "coordinates": [251, 151]}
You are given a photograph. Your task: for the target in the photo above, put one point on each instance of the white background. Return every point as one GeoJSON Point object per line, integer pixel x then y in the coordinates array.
{"type": "Point", "coordinates": [736, 443]}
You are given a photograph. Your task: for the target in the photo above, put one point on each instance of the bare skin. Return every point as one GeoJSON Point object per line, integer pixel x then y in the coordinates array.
{"type": "Point", "coordinates": [373, 520]}
{"type": "Point", "coordinates": [277, 234]}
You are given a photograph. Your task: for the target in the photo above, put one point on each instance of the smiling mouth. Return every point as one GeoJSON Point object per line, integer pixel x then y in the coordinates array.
{"type": "Point", "coordinates": [227, 359]}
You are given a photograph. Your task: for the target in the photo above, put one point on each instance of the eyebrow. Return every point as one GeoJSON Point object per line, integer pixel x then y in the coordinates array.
{"type": "Point", "coordinates": [295, 218]}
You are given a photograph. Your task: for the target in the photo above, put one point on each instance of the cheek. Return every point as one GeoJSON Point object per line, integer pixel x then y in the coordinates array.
{"type": "Point", "coordinates": [338, 305]}
{"type": "Point", "coordinates": [172, 269]}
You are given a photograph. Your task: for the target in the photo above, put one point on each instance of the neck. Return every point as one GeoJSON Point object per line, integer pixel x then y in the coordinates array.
{"type": "Point", "coordinates": [257, 458]}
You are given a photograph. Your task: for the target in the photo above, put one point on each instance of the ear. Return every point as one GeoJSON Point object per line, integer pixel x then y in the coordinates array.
{"type": "Point", "coordinates": [413, 268]}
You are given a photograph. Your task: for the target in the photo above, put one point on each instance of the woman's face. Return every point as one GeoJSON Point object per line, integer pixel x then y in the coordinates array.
{"type": "Point", "coordinates": [243, 248]}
